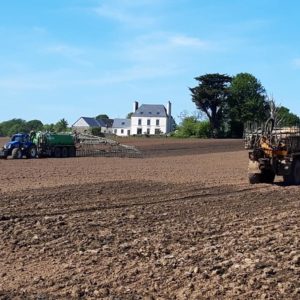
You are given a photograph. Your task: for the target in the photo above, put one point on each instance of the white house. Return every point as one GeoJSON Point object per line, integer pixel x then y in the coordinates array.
{"type": "Point", "coordinates": [151, 119]}
{"type": "Point", "coordinates": [121, 127]}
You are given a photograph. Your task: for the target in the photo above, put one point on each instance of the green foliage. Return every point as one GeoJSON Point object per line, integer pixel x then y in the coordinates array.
{"type": "Point", "coordinates": [247, 102]}
{"type": "Point", "coordinates": [61, 126]}
{"type": "Point", "coordinates": [49, 127]}
{"type": "Point", "coordinates": [96, 131]}
{"type": "Point", "coordinates": [129, 115]}
{"type": "Point", "coordinates": [210, 96]}
{"type": "Point", "coordinates": [102, 117]}
{"type": "Point", "coordinates": [36, 125]}
{"type": "Point", "coordinates": [191, 127]}
{"type": "Point", "coordinates": [287, 118]}
{"type": "Point", "coordinates": [13, 126]}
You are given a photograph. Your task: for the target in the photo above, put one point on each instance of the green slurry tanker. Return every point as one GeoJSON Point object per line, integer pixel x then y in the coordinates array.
{"type": "Point", "coordinates": [54, 144]}
{"type": "Point", "coordinates": [39, 144]}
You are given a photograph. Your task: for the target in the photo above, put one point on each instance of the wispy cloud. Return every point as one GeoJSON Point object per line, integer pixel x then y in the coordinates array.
{"type": "Point", "coordinates": [162, 46]}
{"type": "Point", "coordinates": [187, 41]}
{"type": "Point", "coordinates": [126, 13]}
{"type": "Point", "coordinates": [75, 54]}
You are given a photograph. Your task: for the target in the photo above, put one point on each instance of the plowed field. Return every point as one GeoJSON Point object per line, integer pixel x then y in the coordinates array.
{"type": "Point", "coordinates": [180, 223]}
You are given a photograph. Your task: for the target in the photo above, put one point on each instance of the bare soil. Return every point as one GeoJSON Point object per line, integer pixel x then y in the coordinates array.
{"type": "Point", "coordinates": [181, 223]}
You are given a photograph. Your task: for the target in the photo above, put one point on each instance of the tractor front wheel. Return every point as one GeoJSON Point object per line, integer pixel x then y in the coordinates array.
{"type": "Point", "coordinates": [16, 153]}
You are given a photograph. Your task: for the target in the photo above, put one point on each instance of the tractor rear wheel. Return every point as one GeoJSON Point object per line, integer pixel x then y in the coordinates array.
{"type": "Point", "coordinates": [32, 152]}
{"type": "Point", "coordinates": [16, 153]}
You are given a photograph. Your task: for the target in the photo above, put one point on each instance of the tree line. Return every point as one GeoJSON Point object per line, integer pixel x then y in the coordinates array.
{"type": "Point", "coordinates": [10, 127]}
{"type": "Point", "coordinates": [228, 103]}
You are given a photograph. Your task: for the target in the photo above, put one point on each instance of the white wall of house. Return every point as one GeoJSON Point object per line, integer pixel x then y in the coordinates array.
{"type": "Point", "coordinates": [106, 130]}
{"type": "Point", "coordinates": [149, 125]}
{"type": "Point", "coordinates": [122, 131]}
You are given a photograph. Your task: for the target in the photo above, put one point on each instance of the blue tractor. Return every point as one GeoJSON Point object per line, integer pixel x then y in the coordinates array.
{"type": "Point", "coordinates": [20, 145]}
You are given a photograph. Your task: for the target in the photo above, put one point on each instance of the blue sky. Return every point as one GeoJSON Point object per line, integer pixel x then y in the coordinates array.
{"type": "Point", "coordinates": [73, 58]}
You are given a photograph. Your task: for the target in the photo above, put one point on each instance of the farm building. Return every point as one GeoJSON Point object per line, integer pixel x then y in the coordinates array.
{"type": "Point", "coordinates": [86, 123]}
{"type": "Point", "coordinates": [151, 119]}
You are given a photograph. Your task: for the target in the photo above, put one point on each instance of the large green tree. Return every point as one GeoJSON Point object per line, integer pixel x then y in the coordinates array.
{"type": "Point", "coordinates": [34, 125]}
{"type": "Point", "coordinates": [247, 102]}
{"type": "Point", "coordinates": [286, 118]}
{"type": "Point", "coordinates": [102, 117]}
{"type": "Point", "coordinates": [61, 125]}
{"type": "Point", "coordinates": [210, 96]}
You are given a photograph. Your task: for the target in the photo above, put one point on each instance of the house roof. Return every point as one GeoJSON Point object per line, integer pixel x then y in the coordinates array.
{"type": "Point", "coordinates": [92, 122]}
{"type": "Point", "coordinates": [150, 110]}
{"type": "Point", "coordinates": [121, 123]}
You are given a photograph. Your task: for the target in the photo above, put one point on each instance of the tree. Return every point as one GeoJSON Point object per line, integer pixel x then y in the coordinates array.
{"type": "Point", "coordinates": [129, 115]}
{"type": "Point", "coordinates": [247, 102]}
{"type": "Point", "coordinates": [34, 125]}
{"type": "Point", "coordinates": [190, 126]}
{"type": "Point", "coordinates": [287, 118]}
{"type": "Point", "coordinates": [49, 127]}
{"type": "Point", "coordinates": [13, 126]}
{"type": "Point", "coordinates": [102, 117]}
{"type": "Point", "coordinates": [61, 125]}
{"type": "Point", "coordinates": [210, 96]}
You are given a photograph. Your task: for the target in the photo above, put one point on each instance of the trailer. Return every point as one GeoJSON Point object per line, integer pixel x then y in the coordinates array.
{"type": "Point", "coordinates": [273, 151]}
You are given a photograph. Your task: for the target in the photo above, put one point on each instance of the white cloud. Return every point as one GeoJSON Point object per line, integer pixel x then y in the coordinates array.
{"type": "Point", "coordinates": [72, 53]}
{"type": "Point", "coordinates": [125, 14]}
{"type": "Point", "coordinates": [160, 47]}
{"type": "Point", "coordinates": [186, 41]}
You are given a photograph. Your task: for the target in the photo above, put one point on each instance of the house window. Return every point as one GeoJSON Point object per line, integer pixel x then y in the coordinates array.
{"type": "Point", "coordinates": [122, 130]}
{"type": "Point", "coordinates": [115, 131]}
{"type": "Point", "coordinates": [148, 130]}
{"type": "Point", "coordinates": [139, 121]}
{"type": "Point", "coordinates": [157, 131]}
{"type": "Point", "coordinates": [148, 122]}
{"type": "Point", "coordinates": [128, 132]}
{"type": "Point", "coordinates": [139, 131]}
{"type": "Point", "coordinates": [157, 122]}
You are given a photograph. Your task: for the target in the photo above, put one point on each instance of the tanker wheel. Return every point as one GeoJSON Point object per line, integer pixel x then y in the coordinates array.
{"type": "Point", "coordinates": [32, 152]}
{"type": "Point", "coordinates": [294, 176]}
{"type": "Point", "coordinates": [296, 172]}
{"type": "Point", "coordinates": [57, 152]}
{"type": "Point", "coordinates": [255, 178]}
{"type": "Point", "coordinates": [64, 152]}
{"type": "Point", "coordinates": [16, 153]}
{"type": "Point", "coordinates": [72, 152]}
{"type": "Point", "coordinates": [267, 176]}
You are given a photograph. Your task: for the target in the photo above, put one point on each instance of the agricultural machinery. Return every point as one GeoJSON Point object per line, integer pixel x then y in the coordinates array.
{"type": "Point", "coordinates": [39, 144]}
{"type": "Point", "coordinates": [20, 145]}
{"type": "Point", "coordinates": [48, 144]}
{"type": "Point", "coordinates": [273, 151]}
